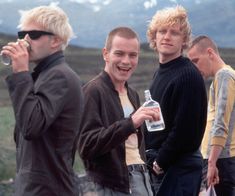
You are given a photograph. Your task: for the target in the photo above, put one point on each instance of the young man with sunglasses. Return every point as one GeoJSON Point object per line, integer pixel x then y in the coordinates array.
{"type": "Point", "coordinates": [47, 104]}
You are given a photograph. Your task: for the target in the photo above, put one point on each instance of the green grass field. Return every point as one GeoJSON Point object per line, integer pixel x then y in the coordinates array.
{"type": "Point", "coordinates": [7, 148]}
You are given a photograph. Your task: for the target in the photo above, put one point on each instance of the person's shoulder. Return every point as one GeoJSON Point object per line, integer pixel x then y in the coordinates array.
{"type": "Point", "coordinates": [61, 68]}
{"type": "Point", "coordinates": [188, 68]}
{"type": "Point", "coordinates": [183, 63]}
{"type": "Point", "coordinates": [188, 63]}
{"type": "Point", "coordinates": [133, 91]}
{"type": "Point", "coordinates": [64, 72]}
{"type": "Point", "coordinates": [188, 74]}
{"type": "Point", "coordinates": [94, 86]}
{"type": "Point", "coordinates": [226, 72]}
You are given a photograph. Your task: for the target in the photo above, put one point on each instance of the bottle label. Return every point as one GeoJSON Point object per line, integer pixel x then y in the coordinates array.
{"type": "Point", "coordinates": [150, 103]}
{"type": "Point", "coordinates": [155, 125]}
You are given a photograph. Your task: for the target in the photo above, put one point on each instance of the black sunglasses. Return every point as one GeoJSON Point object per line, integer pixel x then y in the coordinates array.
{"type": "Point", "coordinates": [33, 34]}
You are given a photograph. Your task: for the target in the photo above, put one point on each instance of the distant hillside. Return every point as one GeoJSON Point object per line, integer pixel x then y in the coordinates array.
{"type": "Point", "coordinates": [88, 62]}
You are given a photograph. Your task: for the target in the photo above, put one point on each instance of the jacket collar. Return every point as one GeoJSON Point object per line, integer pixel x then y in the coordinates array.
{"type": "Point", "coordinates": [50, 61]}
{"type": "Point", "coordinates": [105, 76]}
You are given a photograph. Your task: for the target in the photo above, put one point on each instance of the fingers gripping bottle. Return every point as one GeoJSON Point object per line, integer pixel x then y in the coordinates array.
{"type": "Point", "coordinates": [6, 60]}
{"type": "Point", "coordinates": [154, 125]}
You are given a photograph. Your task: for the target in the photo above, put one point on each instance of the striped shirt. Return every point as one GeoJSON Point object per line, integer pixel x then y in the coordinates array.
{"type": "Point", "coordinates": [220, 129]}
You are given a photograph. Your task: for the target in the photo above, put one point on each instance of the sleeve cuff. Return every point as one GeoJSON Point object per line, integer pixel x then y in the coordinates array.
{"type": "Point", "coordinates": [220, 141]}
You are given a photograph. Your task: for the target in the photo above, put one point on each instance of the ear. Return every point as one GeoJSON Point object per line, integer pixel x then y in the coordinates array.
{"type": "Point", "coordinates": [105, 54]}
{"type": "Point", "coordinates": [210, 52]}
{"type": "Point", "coordinates": [56, 42]}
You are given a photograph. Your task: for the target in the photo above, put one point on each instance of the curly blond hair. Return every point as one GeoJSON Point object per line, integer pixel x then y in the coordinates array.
{"type": "Point", "coordinates": [169, 17]}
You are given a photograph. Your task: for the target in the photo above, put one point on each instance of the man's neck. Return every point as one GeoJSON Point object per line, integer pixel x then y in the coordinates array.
{"type": "Point", "coordinates": [219, 64]}
{"type": "Point", "coordinates": [165, 59]}
{"type": "Point", "coordinates": [120, 88]}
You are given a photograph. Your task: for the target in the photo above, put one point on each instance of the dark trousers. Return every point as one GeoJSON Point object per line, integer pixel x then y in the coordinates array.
{"type": "Point", "coordinates": [182, 179]}
{"type": "Point", "coordinates": [226, 167]}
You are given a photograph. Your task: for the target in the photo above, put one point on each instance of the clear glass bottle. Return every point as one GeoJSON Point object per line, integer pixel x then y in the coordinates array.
{"type": "Point", "coordinates": [6, 60]}
{"type": "Point", "coordinates": [154, 125]}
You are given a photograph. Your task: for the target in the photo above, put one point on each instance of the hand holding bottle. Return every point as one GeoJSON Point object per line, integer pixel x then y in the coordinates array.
{"type": "Point", "coordinates": [16, 55]}
{"type": "Point", "coordinates": [143, 114]}
{"type": "Point", "coordinates": [157, 124]}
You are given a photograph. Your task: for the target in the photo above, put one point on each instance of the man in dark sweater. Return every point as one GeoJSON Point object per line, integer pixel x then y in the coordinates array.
{"type": "Point", "coordinates": [178, 86]}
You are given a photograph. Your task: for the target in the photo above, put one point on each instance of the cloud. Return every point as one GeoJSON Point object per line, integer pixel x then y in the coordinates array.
{"type": "Point", "coordinates": [107, 2]}
{"type": "Point", "coordinates": [56, 3]}
{"type": "Point", "coordinates": [150, 4]}
{"type": "Point", "coordinates": [87, 1]}
{"type": "Point", "coordinates": [95, 4]}
{"type": "Point", "coordinates": [93, 1]}
{"type": "Point", "coordinates": [6, 1]}
{"type": "Point", "coordinates": [198, 1]}
{"type": "Point", "coordinates": [96, 8]}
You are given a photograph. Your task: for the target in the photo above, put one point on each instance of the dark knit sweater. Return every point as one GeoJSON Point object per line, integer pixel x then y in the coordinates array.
{"type": "Point", "coordinates": [179, 88]}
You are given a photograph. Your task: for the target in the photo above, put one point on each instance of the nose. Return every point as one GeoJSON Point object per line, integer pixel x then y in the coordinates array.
{"type": "Point", "coordinates": [26, 36]}
{"type": "Point", "coordinates": [126, 59]}
{"type": "Point", "coordinates": [167, 35]}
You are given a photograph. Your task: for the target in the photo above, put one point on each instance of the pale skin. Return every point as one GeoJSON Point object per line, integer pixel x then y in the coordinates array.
{"type": "Point", "coordinates": [213, 173]}
{"type": "Point", "coordinates": [120, 63]}
{"type": "Point", "coordinates": [19, 55]}
{"type": "Point", "coordinates": [39, 48]}
{"type": "Point", "coordinates": [169, 42]}
{"type": "Point", "coordinates": [209, 63]}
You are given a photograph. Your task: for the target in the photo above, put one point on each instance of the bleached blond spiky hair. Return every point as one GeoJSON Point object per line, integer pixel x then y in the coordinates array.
{"type": "Point", "coordinates": [50, 18]}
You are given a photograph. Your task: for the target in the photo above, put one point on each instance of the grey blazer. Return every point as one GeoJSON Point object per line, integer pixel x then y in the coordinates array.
{"type": "Point", "coordinates": [47, 113]}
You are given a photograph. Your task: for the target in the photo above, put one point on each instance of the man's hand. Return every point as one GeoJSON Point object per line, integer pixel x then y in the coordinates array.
{"type": "Point", "coordinates": [212, 174]}
{"type": "Point", "coordinates": [19, 55]}
{"type": "Point", "coordinates": [157, 169]}
{"type": "Point", "coordinates": [144, 113]}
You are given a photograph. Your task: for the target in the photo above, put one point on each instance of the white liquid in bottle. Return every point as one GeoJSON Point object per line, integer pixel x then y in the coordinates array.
{"type": "Point", "coordinates": [154, 125]}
